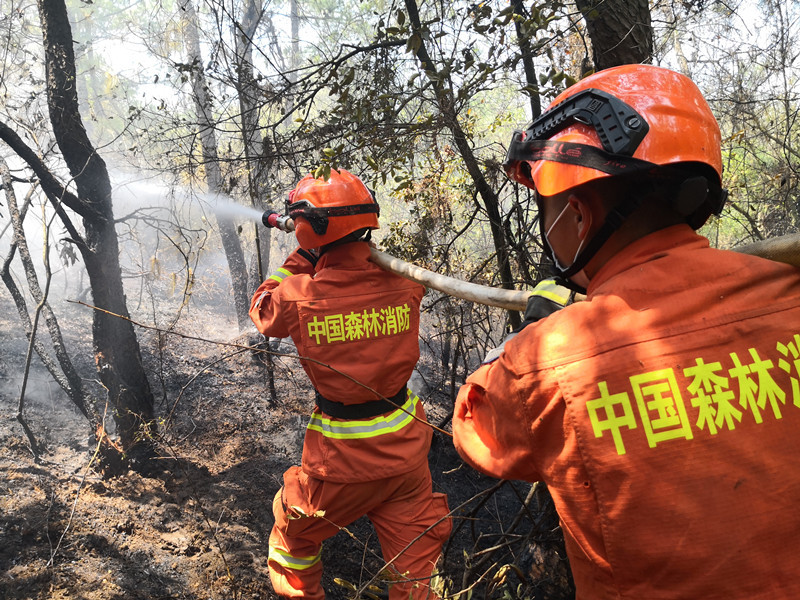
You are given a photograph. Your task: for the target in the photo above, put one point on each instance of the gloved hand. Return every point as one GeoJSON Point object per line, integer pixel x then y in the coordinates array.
{"type": "Point", "coordinates": [545, 299]}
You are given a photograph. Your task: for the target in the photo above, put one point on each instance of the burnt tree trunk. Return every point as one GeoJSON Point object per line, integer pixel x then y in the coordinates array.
{"type": "Point", "coordinates": [208, 140]}
{"type": "Point", "coordinates": [249, 91]}
{"type": "Point", "coordinates": [116, 348]}
{"type": "Point", "coordinates": [620, 30]}
{"type": "Point", "coordinates": [258, 164]}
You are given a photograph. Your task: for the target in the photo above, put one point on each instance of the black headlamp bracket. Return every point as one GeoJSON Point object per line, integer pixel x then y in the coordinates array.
{"type": "Point", "coordinates": [619, 127]}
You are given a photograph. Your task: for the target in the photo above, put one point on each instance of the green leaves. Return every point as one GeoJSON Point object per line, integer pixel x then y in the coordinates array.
{"type": "Point", "coordinates": [414, 43]}
{"type": "Point", "coordinates": [323, 171]}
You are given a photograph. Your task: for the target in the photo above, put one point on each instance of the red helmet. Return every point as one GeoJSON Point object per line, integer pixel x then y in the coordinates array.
{"type": "Point", "coordinates": [324, 211]}
{"type": "Point", "coordinates": [626, 119]}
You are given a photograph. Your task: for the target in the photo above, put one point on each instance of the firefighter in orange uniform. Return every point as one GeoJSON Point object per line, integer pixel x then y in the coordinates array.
{"type": "Point", "coordinates": [663, 412]}
{"type": "Point", "coordinates": [362, 455]}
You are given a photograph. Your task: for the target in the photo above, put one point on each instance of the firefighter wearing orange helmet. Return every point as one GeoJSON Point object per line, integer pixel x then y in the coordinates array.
{"type": "Point", "coordinates": [663, 412]}
{"type": "Point", "coordinates": [366, 445]}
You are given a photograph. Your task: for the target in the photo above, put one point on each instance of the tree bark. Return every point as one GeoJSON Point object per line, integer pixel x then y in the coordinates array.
{"type": "Point", "coordinates": [527, 59]}
{"type": "Point", "coordinates": [117, 352]}
{"type": "Point", "coordinates": [208, 140]}
{"type": "Point", "coordinates": [620, 30]}
{"type": "Point", "coordinates": [248, 90]}
{"type": "Point", "coordinates": [256, 159]}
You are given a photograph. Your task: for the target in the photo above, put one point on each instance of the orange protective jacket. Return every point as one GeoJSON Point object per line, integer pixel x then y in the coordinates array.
{"type": "Point", "coordinates": [363, 322]}
{"type": "Point", "coordinates": [664, 415]}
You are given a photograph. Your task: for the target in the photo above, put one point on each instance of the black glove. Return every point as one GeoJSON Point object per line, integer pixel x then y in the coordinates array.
{"type": "Point", "coordinates": [545, 299]}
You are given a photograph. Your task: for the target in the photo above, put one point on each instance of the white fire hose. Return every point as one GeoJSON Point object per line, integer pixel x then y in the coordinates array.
{"type": "Point", "coordinates": [785, 249]}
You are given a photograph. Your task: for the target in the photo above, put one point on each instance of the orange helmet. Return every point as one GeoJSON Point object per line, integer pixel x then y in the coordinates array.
{"type": "Point", "coordinates": [325, 211]}
{"type": "Point", "coordinates": [623, 120]}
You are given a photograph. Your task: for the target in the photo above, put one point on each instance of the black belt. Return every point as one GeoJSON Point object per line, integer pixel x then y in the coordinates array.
{"type": "Point", "coordinates": [365, 410]}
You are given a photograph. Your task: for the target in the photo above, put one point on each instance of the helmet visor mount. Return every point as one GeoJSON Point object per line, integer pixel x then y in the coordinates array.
{"type": "Point", "coordinates": [618, 126]}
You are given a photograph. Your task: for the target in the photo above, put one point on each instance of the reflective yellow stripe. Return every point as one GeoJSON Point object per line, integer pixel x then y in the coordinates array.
{"type": "Point", "coordinates": [366, 428]}
{"type": "Point", "coordinates": [297, 563]}
{"type": "Point", "coordinates": [549, 289]}
{"type": "Point", "coordinates": [280, 274]}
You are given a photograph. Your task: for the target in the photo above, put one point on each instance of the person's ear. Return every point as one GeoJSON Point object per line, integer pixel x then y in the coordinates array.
{"type": "Point", "coordinates": [582, 215]}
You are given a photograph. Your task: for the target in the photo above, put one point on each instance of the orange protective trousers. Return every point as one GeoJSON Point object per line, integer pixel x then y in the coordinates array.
{"type": "Point", "coordinates": [410, 520]}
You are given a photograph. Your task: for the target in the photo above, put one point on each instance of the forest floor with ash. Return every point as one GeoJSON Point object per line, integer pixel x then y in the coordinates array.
{"type": "Point", "coordinates": [194, 523]}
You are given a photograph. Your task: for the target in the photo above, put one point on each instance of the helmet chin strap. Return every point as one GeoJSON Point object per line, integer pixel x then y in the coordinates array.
{"type": "Point", "coordinates": [614, 220]}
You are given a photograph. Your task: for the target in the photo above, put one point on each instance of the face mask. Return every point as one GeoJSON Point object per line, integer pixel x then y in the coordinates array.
{"type": "Point", "coordinates": [558, 264]}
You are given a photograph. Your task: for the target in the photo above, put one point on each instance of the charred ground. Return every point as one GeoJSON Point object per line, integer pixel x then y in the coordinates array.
{"type": "Point", "coordinates": [194, 522]}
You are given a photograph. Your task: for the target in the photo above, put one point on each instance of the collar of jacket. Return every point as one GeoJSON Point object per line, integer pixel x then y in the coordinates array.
{"type": "Point", "coordinates": [650, 247]}
{"type": "Point", "coordinates": [346, 255]}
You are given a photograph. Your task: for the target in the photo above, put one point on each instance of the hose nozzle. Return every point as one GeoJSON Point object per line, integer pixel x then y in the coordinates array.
{"type": "Point", "coordinates": [271, 218]}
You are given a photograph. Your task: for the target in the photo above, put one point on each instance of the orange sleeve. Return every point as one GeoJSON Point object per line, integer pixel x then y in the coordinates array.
{"type": "Point", "coordinates": [491, 429]}
{"type": "Point", "coordinates": [266, 309]}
